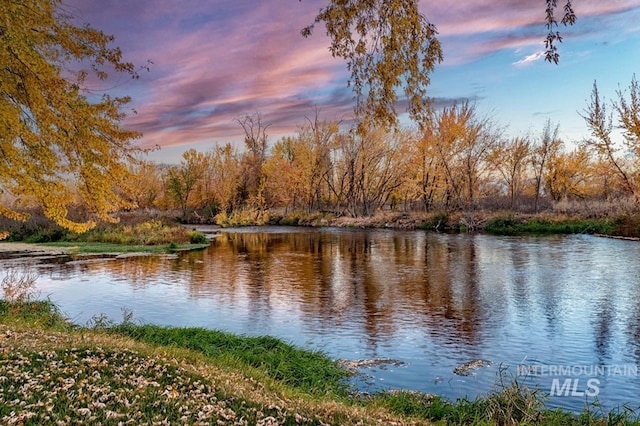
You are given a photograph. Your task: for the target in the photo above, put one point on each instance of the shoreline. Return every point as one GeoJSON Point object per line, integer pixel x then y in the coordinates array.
{"type": "Point", "coordinates": [33, 249]}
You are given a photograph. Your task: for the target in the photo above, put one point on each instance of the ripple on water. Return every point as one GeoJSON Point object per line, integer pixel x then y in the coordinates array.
{"type": "Point", "coordinates": [431, 301]}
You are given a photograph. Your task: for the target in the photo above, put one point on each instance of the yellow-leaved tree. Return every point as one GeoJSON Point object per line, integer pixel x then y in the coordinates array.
{"type": "Point", "coordinates": [52, 129]}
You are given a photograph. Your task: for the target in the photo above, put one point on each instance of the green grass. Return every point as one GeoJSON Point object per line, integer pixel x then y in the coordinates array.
{"type": "Point", "coordinates": [308, 370]}
{"type": "Point", "coordinates": [42, 313]}
{"type": "Point", "coordinates": [513, 226]}
{"type": "Point", "coordinates": [98, 247]}
{"type": "Point", "coordinates": [55, 372]}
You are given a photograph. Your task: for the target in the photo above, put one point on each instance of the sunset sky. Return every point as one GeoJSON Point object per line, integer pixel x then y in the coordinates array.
{"type": "Point", "coordinates": [215, 60]}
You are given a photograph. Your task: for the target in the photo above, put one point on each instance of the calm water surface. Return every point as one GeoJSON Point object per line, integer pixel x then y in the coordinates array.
{"type": "Point", "coordinates": [567, 308]}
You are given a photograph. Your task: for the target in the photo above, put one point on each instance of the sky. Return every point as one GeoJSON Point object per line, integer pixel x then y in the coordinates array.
{"type": "Point", "coordinates": [213, 61]}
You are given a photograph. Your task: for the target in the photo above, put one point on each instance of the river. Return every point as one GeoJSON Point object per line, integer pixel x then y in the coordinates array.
{"type": "Point", "coordinates": [558, 312]}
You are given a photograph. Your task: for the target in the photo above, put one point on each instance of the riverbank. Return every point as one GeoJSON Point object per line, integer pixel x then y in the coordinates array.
{"type": "Point", "coordinates": [55, 372]}
{"type": "Point", "coordinates": [155, 236]}
{"type": "Point", "coordinates": [493, 222]}
{"type": "Point", "coordinates": [61, 248]}
{"type": "Point", "coordinates": [144, 237]}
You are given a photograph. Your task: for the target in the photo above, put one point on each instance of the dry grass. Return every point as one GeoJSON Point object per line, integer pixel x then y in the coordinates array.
{"type": "Point", "coordinates": [19, 285]}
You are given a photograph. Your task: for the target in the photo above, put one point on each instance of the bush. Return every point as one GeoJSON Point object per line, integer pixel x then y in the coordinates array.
{"type": "Point", "coordinates": [437, 222]}
{"type": "Point", "coordinates": [50, 235]}
{"type": "Point", "coordinates": [289, 220]}
{"type": "Point", "coordinates": [153, 232]}
{"type": "Point", "coordinates": [196, 237]}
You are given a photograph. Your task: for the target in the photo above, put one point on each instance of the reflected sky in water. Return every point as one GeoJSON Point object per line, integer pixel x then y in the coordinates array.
{"type": "Point", "coordinates": [433, 301]}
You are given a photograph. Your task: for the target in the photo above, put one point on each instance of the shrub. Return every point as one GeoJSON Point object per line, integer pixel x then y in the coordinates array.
{"type": "Point", "coordinates": [152, 232]}
{"type": "Point", "coordinates": [289, 220]}
{"type": "Point", "coordinates": [196, 237]}
{"type": "Point", "coordinates": [247, 217]}
{"type": "Point", "coordinates": [437, 222]}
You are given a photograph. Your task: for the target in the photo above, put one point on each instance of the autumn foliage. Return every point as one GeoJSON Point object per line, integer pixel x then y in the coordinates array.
{"type": "Point", "coordinates": [58, 140]}
{"type": "Point", "coordinates": [460, 161]}
{"type": "Point", "coordinates": [64, 151]}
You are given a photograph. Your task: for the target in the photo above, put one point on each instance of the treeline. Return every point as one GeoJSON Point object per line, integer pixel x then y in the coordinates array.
{"type": "Point", "coordinates": [458, 161]}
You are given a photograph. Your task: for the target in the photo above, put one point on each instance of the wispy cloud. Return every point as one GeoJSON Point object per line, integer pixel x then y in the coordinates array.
{"type": "Point", "coordinates": [473, 29]}
{"type": "Point", "coordinates": [530, 58]}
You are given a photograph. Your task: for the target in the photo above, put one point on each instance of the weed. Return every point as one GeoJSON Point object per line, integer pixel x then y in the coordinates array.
{"type": "Point", "coordinates": [41, 313]}
{"type": "Point", "coordinates": [18, 285]}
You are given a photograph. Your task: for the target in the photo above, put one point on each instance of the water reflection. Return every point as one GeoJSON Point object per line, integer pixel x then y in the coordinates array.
{"type": "Point", "coordinates": [433, 301]}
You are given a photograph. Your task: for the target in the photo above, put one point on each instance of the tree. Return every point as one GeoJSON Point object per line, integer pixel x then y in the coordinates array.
{"type": "Point", "coordinates": [145, 185]}
{"type": "Point", "coordinates": [541, 154]}
{"type": "Point", "coordinates": [181, 181]}
{"type": "Point", "coordinates": [51, 129]}
{"type": "Point", "coordinates": [370, 169]}
{"type": "Point", "coordinates": [256, 141]}
{"type": "Point", "coordinates": [284, 173]}
{"type": "Point", "coordinates": [462, 142]}
{"type": "Point", "coordinates": [387, 44]}
{"type": "Point", "coordinates": [601, 125]}
{"type": "Point", "coordinates": [225, 177]}
{"type": "Point", "coordinates": [569, 174]}
{"type": "Point", "coordinates": [553, 35]}
{"type": "Point", "coordinates": [427, 177]}
{"type": "Point", "coordinates": [510, 159]}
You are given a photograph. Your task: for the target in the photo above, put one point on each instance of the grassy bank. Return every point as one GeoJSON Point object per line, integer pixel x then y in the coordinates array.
{"type": "Point", "coordinates": [537, 225]}
{"type": "Point", "coordinates": [151, 236]}
{"type": "Point", "coordinates": [498, 223]}
{"type": "Point", "coordinates": [158, 235]}
{"type": "Point", "coordinates": [307, 370]}
{"type": "Point", "coordinates": [98, 247]}
{"type": "Point", "coordinates": [493, 222]}
{"type": "Point", "coordinates": [55, 372]}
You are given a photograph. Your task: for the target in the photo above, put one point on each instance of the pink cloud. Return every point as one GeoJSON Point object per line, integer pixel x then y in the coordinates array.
{"type": "Point", "coordinates": [215, 60]}
{"type": "Point", "coordinates": [204, 78]}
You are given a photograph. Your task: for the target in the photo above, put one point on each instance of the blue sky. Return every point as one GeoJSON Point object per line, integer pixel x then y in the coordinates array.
{"type": "Point", "coordinates": [215, 60]}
